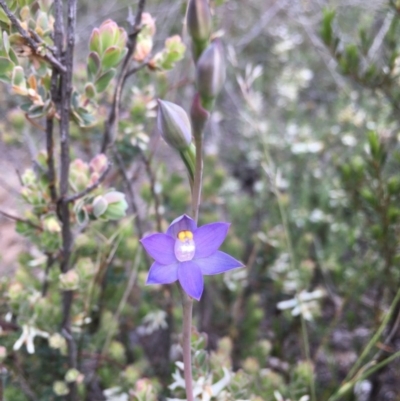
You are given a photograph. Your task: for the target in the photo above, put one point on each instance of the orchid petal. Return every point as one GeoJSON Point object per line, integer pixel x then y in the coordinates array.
{"type": "Point", "coordinates": [208, 238]}
{"type": "Point", "coordinates": [163, 274]}
{"type": "Point", "coordinates": [160, 247]}
{"type": "Point", "coordinates": [217, 263]}
{"type": "Point", "coordinates": [182, 223]}
{"type": "Point", "coordinates": [191, 279]}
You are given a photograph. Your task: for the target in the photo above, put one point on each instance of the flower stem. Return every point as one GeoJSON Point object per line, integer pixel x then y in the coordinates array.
{"type": "Point", "coordinates": [187, 304]}
{"type": "Point", "coordinates": [198, 177]}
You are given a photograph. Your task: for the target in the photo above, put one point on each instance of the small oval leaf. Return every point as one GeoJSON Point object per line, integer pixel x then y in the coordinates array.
{"type": "Point", "coordinates": [111, 57]}
{"type": "Point", "coordinates": [102, 83]}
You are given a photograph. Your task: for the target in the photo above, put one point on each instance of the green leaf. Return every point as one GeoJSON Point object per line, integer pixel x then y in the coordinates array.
{"type": "Point", "coordinates": [103, 81]}
{"type": "Point", "coordinates": [352, 58]}
{"type": "Point", "coordinates": [93, 66]}
{"type": "Point", "coordinates": [18, 80]}
{"type": "Point", "coordinates": [6, 66]}
{"type": "Point", "coordinates": [43, 21]}
{"type": "Point", "coordinates": [326, 28]}
{"type": "Point", "coordinates": [111, 57]}
{"type": "Point", "coordinates": [375, 146]}
{"type": "Point", "coordinates": [6, 42]}
{"type": "Point", "coordinates": [95, 41]}
{"type": "Point", "coordinates": [36, 112]}
{"type": "Point", "coordinates": [13, 56]}
{"type": "Point", "coordinates": [3, 17]}
{"type": "Point", "coordinates": [90, 90]}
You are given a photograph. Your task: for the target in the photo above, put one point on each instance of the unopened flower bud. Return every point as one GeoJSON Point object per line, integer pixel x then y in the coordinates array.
{"type": "Point", "coordinates": [57, 341]}
{"type": "Point", "coordinates": [69, 281]}
{"type": "Point", "coordinates": [60, 388]}
{"type": "Point", "coordinates": [174, 125]}
{"type": "Point", "coordinates": [199, 24]}
{"type": "Point", "coordinates": [117, 205]}
{"type": "Point", "coordinates": [210, 71]}
{"type": "Point", "coordinates": [51, 225]}
{"type": "Point", "coordinates": [72, 375]}
{"type": "Point", "coordinates": [111, 206]}
{"type": "Point", "coordinates": [99, 206]}
{"type": "Point", "coordinates": [99, 163]}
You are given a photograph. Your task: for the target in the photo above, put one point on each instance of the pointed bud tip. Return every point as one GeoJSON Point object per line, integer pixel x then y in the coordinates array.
{"type": "Point", "coordinates": [210, 70]}
{"type": "Point", "coordinates": [173, 124]}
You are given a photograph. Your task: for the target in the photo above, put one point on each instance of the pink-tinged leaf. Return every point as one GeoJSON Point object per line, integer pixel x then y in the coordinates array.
{"type": "Point", "coordinates": [90, 90]}
{"type": "Point", "coordinates": [95, 41]}
{"type": "Point", "coordinates": [93, 66]}
{"type": "Point", "coordinates": [108, 30]}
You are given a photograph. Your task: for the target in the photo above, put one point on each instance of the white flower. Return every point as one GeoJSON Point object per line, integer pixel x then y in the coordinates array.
{"type": "Point", "coordinates": [153, 321]}
{"type": "Point", "coordinates": [304, 303]}
{"type": "Point", "coordinates": [202, 387]}
{"type": "Point", "coordinates": [114, 394]}
{"type": "Point", "coordinates": [28, 335]}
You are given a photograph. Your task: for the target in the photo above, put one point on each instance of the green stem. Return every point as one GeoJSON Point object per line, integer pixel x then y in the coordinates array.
{"type": "Point", "coordinates": [198, 177]}
{"type": "Point", "coordinates": [375, 337]}
{"type": "Point", "coordinates": [294, 266]}
{"type": "Point", "coordinates": [187, 304]}
{"type": "Point", "coordinates": [187, 301]}
{"type": "Point", "coordinates": [346, 387]}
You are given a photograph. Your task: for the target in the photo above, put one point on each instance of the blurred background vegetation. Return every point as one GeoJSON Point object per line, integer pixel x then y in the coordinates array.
{"type": "Point", "coordinates": [302, 157]}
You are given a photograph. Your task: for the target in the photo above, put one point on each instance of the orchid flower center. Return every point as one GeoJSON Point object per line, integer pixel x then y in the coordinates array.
{"type": "Point", "coordinates": [184, 246]}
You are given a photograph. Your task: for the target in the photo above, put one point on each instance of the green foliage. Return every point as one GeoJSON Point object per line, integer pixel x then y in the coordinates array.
{"type": "Point", "coordinates": [306, 173]}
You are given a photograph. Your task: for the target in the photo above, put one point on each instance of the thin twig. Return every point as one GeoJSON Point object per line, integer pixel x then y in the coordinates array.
{"type": "Point", "coordinates": [19, 219]}
{"type": "Point", "coordinates": [122, 302]}
{"type": "Point", "coordinates": [128, 187]}
{"type": "Point", "coordinates": [49, 263]}
{"type": "Point", "coordinates": [39, 40]}
{"type": "Point", "coordinates": [51, 172]}
{"type": "Point", "coordinates": [139, 67]}
{"type": "Point", "coordinates": [30, 41]}
{"type": "Point", "coordinates": [113, 117]}
{"type": "Point", "coordinates": [154, 194]}
{"type": "Point", "coordinates": [92, 187]}
{"type": "Point", "coordinates": [25, 387]}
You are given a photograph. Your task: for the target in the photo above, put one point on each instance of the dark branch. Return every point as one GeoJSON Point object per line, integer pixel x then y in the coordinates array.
{"type": "Point", "coordinates": [15, 218]}
{"type": "Point", "coordinates": [137, 68]}
{"type": "Point", "coordinates": [55, 97]}
{"type": "Point", "coordinates": [64, 212]}
{"type": "Point", "coordinates": [92, 187]}
{"type": "Point", "coordinates": [35, 46]}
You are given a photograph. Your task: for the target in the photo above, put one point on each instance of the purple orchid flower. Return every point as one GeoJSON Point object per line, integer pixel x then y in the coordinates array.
{"type": "Point", "coordinates": [186, 253]}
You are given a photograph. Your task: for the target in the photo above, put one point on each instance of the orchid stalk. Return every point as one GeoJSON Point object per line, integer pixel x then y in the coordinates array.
{"type": "Point", "coordinates": [186, 252]}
